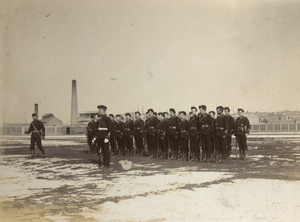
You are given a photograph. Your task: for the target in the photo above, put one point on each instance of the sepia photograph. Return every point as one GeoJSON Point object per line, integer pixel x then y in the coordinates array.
{"type": "Point", "coordinates": [149, 110]}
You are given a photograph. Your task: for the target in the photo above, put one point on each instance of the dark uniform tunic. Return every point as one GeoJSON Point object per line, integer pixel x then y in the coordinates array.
{"type": "Point", "coordinates": [241, 127]}
{"type": "Point", "coordinates": [37, 131]}
{"type": "Point", "coordinates": [112, 139]}
{"type": "Point", "coordinates": [183, 138]}
{"type": "Point", "coordinates": [119, 135]}
{"type": "Point", "coordinates": [173, 131]}
{"type": "Point", "coordinates": [206, 126]}
{"type": "Point", "coordinates": [230, 127]}
{"type": "Point", "coordinates": [138, 135]}
{"type": "Point", "coordinates": [162, 138]}
{"type": "Point", "coordinates": [103, 130]}
{"type": "Point", "coordinates": [220, 134]}
{"type": "Point", "coordinates": [194, 133]}
{"type": "Point", "coordinates": [151, 132]}
{"type": "Point", "coordinates": [128, 136]}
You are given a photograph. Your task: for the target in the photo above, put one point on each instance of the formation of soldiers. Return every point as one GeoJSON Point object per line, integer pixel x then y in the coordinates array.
{"type": "Point", "coordinates": [205, 136]}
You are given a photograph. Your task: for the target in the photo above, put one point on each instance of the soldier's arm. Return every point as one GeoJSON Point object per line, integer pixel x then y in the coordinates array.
{"type": "Point", "coordinates": [109, 126]}
{"type": "Point", "coordinates": [248, 126]}
{"type": "Point", "coordinates": [43, 130]}
{"type": "Point", "coordinates": [30, 129]}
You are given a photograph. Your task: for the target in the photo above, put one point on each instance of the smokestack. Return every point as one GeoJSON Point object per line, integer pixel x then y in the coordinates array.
{"type": "Point", "coordinates": [74, 105]}
{"type": "Point", "coordinates": [36, 109]}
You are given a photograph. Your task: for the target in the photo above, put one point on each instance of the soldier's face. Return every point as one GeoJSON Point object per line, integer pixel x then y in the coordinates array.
{"type": "Point", "coordinates": [219, 111]}
{"type": "Point", "coordinates": [137, 116]}
{"type": "Point", "coordinates": [112, 118]}
{"type": "Point", "coordinates": [241, 113]}
{"type": "Point", "coordinates": [193, 111]}
{"type": "Point", "coordinates": [34, 117]}
{"type": "Point", "coordinates": [167, 116]}
{"type": "Point", "coordinates": [202, 111]}
{"type": "Point", "coordinates": [226, 112]}
{"type": "Point", "coordinates": [212, 115]}
{"type": "Point", "coordinates": [101, 111]}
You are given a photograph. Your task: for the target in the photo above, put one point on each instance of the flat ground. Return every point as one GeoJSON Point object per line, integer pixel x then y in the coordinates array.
{"type": "Point", "coordinates": [67, 185]}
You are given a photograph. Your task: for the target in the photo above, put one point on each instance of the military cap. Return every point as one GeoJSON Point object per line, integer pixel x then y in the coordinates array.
{"type": "Point", "coordinates": [240, 109]}
{"type": "Point", "coordinates": [172, 110]}
{"type": "Point", "coordinates": [227, 108]}
{"type": "Point", "coordinates": [34, 114]}
{"type": "Point", "coordinates": [137, 112]}
{"type": "Point", "coordinates": [220, 107]}
{"type": "Point", "coordinates": [150, 110]}
{"type": "Point", "coordinates": [213, 112]}
{"type": "Point", "coordinates": [127, 114]}
{"type": "Point", "coordinates": [202, 107]}
{"type": "Point", "coordinates": [102, 107]}
{"type": "Point", "coordinates": [92, 115]}
{"type": "Point", "coordinates": [193, 107]}
{"type": "Point", "coordinates": [160, 113]}
{"type": "Point", "coordinates": [182, 112]}
{"type": "Point", "coordinates": [112, 115]}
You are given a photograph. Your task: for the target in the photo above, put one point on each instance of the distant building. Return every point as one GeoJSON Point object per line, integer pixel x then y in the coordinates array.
{"type": "Point", "coordinates": [49, 119]}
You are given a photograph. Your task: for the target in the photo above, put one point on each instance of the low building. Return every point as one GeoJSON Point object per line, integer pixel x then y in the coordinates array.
{"type": "Point", "coordinates": [48, 119]}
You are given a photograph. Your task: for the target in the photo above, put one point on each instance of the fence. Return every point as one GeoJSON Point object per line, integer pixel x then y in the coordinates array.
{"type": "Point", "coordinates": [275, 127]}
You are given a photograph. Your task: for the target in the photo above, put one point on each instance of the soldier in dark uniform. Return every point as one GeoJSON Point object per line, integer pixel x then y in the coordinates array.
{"type": "Point", "coordinates": [112, 139]}
{"type": "Point", "coordinates": [241, 130]}
{"type": "Point", "coordinates": [220, 134]}
{"type": "Point", "coordinates": [230, 127]}
{"type": "Point", "coordinates": [151, 131]}
{"type": "Point", "coordinates": [161, 136]}
{"type": "Point", "coordinates": [166, 118]}
{"type": "Point", "coordinates": [103, 132]}
{"type": "Point", "coordinates": [119, 134]}
{"type": "Point", "coordinates": [37, 131]}
{"type": "Point", "coordinates": [206, 126]}
{"type": "Point", "coordinates": [194, 133]}
{"type": "Point", "coordinates": [173, 131]}
{"type": "Point", "coordinates": [213, 147]}
{"type": "Point", "coordinates": [146, 136]}
{"type": "Point", "coordinates": [128, 134]}
{"type": "Point", "coordinates": [183, 135]}
{"type": "Point", "coordinates": [138, 133]}
{"type": "Point", "coordinates": [90, 133]}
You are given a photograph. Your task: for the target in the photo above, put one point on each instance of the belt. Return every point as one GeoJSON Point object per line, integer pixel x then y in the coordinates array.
{"type": "Point", "coordinates": [203, 126]}
{"type": "Point", "coordinates": [101, 128]}
{"type": "Point", "coordinates": [137, 128]}
{"type": "Point", "coordinates": [218, 127]}
{"type": "Point", "coordinates": [193, 127]}
{"type": "Point", "coordinates": [173, 127]}
{"type": "Point", "coordinates": [183, 131]}
{"type": "Point", "coordinates": [151, 127]}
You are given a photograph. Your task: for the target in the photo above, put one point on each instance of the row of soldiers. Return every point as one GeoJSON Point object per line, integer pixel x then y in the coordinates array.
{"type": "Point", "coordinates": [202, 137]}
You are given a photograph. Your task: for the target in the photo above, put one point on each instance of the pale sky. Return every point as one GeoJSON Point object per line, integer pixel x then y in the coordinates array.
{"type": "Point", "coordinates": [164, 53]}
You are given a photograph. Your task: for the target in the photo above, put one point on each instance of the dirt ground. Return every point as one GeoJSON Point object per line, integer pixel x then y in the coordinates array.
{"type": "Point", "coordinates": [68, 186]}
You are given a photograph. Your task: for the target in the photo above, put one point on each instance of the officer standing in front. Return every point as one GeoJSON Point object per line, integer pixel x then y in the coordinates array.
{"type": "Point", "coordinates": [241, 130]}
{"type": "Point", "coordinates": [37, 131]}
{"type": "Point", "coordinates": [103, 132]}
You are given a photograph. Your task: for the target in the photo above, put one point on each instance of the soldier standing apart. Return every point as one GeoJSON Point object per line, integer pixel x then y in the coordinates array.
{"type": "Point", "coordinates": [161, 136]}
{"type": "Point", "coordinates": [37, 131]}
{"type": "Point", "coordinates": [103, 132]}
{"type": "Point", "coordinates": [242, 129]}
{"type": "Point", "coordinates": [194, 133]}
{"type": "Point", "coordinates": [206, 126]}
{"type": "Point", "coordinates": [138, 133]}
{"type": "Point", "coordinates": [119, 134]}
{"type": "Point", "coordinates": [183, 134]}
{"type": "Point", "coordinates": [220, 134]}
{"type": "Point", "coordinates": [173, 129]}
{"type": "Point", "coordinates": [112, 139]}
{"type": "Point", "coordinates": [151, 131]}
{"type": "Point", "coordinates": [230, 127]}
{"type": "Point", "coordinates": [128, 134]}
